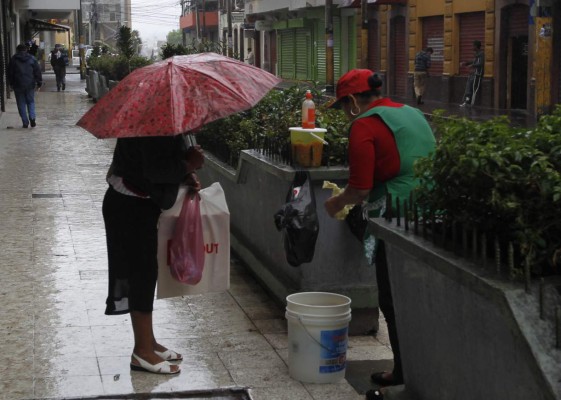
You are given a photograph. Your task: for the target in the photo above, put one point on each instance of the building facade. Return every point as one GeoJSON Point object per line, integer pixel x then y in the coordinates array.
{"type": "Point", "coordinates": [199, 21]}
{"type": "Point", "coordinates": [101, 20]}
{"type": "Point", "coordinates": [521, 40]}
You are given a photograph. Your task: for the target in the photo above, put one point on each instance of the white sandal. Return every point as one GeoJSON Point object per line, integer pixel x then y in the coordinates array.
{"type": "Point", "coordinates": [169, 355]}
{"type": "Point", "coordinates": [163, 367]}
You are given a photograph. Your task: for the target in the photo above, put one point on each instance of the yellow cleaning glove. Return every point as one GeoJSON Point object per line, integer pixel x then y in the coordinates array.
{"type": "Point", "coordinates": [337, 190]}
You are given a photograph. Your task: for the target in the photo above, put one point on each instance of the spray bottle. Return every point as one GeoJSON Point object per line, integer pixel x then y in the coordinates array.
{"type": "Point", "coordinates": [308, 112]}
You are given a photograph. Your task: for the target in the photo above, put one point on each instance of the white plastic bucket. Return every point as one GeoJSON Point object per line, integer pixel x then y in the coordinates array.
{"type": "Point", "coordinates": [318, 325]}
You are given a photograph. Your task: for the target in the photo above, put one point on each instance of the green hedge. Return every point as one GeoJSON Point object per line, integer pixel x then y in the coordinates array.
{"type": "Point", "coordinates": [266, 125]}
{"type": "Point", "coordinates": [500, 180]}
{"type": "Point", "coordinates": [116, 67]}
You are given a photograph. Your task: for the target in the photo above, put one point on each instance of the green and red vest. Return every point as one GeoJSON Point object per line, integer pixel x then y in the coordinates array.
{"type": "Point", "coordinates": [414, 139]}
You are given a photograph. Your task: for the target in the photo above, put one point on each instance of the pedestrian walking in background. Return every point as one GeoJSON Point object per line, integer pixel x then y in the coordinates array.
{"type": "Point", "coordinates": [32, 48]}
{"type": "Point", "coordinates": [474, 79]}
{"type": "Point", "coordinates": [58, 62]}
{"type": "Point", "coordinates": [250, 59]}
{"type": "Point", "coordinates": [24, 76]}
{"type": "Point", "coordinates": [144, 178]}
{"type": "Point", "coordinates": [422, 64]}
{"type": "Point", "coordinates": [385, 139]}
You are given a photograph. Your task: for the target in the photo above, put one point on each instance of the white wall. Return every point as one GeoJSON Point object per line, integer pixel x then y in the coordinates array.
{"type": "Point", "coordinates": [48, 4]}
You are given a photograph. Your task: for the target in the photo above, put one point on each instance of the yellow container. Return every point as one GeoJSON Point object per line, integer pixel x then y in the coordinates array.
{"type": "Point", "coordinates": [307, 146]}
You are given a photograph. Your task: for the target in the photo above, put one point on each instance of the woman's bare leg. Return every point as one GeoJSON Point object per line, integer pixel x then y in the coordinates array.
{"type": "Point", "coordinates": [144, 341]}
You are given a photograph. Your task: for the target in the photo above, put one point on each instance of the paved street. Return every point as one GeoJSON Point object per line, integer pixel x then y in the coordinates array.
{"type": "Point", "coordinates": [56, 341]}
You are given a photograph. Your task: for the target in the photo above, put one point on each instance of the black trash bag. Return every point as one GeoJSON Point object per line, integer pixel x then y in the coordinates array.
{"type": "Point", "coordinates": [298, 220]}
{"type": "Point", "coordinates": [356, 222]}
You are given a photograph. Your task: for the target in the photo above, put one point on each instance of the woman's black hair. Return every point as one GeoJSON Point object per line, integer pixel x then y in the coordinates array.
{"type": "Point", "coordinates": [375, 84]}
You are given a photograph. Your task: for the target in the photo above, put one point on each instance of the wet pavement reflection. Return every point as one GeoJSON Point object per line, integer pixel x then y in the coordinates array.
{"type": "Point", "coordinates": [56, 341]}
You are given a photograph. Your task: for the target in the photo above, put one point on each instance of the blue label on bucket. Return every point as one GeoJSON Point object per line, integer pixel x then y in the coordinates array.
{"type": "Point", "coordinates": [333, 350]}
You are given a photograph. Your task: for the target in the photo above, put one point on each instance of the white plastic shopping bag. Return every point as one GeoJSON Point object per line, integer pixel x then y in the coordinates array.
{"type": "Point", "coordinates": [216, 233]}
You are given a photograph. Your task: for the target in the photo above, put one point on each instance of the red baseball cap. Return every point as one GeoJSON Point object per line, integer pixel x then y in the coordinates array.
{"type": "Point", "coordinates": [354, 81]}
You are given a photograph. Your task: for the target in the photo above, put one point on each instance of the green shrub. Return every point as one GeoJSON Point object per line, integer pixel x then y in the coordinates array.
{"type": "Point", "coordinates": [169, 50]}
{"type": "Point", "coordinates": [205, 46]}
{"type": "Point", "coordinates": [501, 180]}
{"type": "Point", "coordinates": [117, 67]}
{"type": "Point", "coordinates": [267, 126]}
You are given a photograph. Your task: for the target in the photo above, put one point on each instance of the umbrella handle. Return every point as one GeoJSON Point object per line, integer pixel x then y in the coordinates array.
{"type": "Point", "coordinates": [190, 140]}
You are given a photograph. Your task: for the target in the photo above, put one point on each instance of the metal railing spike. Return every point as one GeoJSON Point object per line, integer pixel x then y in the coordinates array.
{"type": "Point", "coordinates": [397, 211]}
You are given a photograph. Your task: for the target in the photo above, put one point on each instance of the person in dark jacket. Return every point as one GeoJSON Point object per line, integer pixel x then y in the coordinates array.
{"type": "Point", "coordinates": [422, 64]}
{"type": "Point", "coordinates": [32, 48]}
{"type": "Point", "coordinates": [474, 79]}
{"type": "Point", "coordinates": [24, 75]}
{"type": "Point", "coordinates": [58, 62]}
{"type": "Point", "coordinates": [144, 178]}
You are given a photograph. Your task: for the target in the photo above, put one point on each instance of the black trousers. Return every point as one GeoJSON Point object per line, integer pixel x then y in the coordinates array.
{"type": "Point", "coordinates": [385, 301]}
{"type": "Point", "coordinates": [131, 226]}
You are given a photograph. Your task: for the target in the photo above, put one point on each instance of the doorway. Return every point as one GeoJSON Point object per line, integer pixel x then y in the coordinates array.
{"type": "Point", "coordinates": [518, 73]}
{"type": "Point", "coordinates": [398, 57]}
{"type": "Point", "coordinates": [513, 59]}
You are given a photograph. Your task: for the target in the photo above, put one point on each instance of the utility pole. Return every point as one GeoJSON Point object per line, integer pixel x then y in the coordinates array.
{"type": "Point", "coordinates": [329, 64]}
{"type": "Point", "coordinates": [364, 34]}
{"type": "Point", "coordinates": [81, 51]}
{"type": "Point", "coordinates": [197, 21]}
{"type": "Point", "coordinates": [204, 19]}
{"type": "Point", "coordinates": [229, 19]}
{"type": "Point", "coordinates": [183, 36]}
{"type": "Point", "coordinates": [93, 22]}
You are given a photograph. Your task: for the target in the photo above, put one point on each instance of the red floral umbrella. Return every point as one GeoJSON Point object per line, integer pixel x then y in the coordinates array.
{"type": "Point", "coordinates": [177, 95]}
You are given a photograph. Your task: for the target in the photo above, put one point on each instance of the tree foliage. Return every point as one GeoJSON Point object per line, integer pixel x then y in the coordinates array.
{"type": "Point", "coordinates": [126, 45]}
{"type": "Point", "coordinates": [175, 37]}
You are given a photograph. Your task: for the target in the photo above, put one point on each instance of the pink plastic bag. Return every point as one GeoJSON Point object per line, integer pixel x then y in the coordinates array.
{"type": "Point", "coordinates": [186, 249]}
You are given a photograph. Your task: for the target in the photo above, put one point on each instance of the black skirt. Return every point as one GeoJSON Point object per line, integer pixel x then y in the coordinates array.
{"type": "Point", "coordinates": [131, 226]}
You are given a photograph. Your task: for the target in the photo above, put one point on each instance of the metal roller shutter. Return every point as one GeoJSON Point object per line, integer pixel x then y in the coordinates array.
{"type": "Point", "coordinates": [303, 61]}
{"type": "Point", "coordinates": [518, 21]}
{"type": "Point", "coordinates": [472, 27]}
{"type": "Point", "coordinates": [320, 52]}
{"type": "Point", "coordinates": [337, 48]}
{"type": "Point", "coordinates": [373, 46]}
{"type": "Point", "coordinates": [399, 56]}
{"type": "Point", "coordinates": [286, 42]}
{"type": "Point", "coordinates": [433, 36]}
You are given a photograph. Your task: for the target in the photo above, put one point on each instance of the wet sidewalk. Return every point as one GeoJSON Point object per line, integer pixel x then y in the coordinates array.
{"type": "Point", "coordinates": [55, 340]}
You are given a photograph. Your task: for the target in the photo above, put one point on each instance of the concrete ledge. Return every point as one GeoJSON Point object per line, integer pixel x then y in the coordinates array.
{"type": "Point", "coordinates": [465, 332]}
{"type": "Point", "coordinates": [255, 191]}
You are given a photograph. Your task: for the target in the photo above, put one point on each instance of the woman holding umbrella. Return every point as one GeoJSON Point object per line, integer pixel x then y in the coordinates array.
{"type": "Point", "coordinates": [149, 111]}
{"type": "Point", "coordinates": [144, 178]}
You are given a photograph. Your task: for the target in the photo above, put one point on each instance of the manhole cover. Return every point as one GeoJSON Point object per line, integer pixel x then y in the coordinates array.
{"type": "Point", "coordinates": [215, 394]}
{"type": "Point", "coordinates": [46, 195]}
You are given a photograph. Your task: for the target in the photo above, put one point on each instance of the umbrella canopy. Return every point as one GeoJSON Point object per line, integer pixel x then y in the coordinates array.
{"type": "Point", "coordinates": [177, 95]}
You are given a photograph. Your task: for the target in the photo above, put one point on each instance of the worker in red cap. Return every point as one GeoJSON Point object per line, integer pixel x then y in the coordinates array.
{"type": "Point", "coordinates": [385, 139]}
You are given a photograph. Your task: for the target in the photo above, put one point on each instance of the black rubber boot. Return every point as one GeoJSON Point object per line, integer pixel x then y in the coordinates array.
{"type": "Point", "coordinates": [374, 394]}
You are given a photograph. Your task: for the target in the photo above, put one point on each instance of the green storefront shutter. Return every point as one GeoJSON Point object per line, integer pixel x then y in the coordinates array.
{"type": "Point", "coordinates": [321, 64]}
{"type": "Point", "coordinates": [303, 60]}
{"type": "Point", "coordinates": [336, 48]}
{"type": "Point", "coordinates": [286, 41]}
{"type": "Point", "coordinates": [352, 50]}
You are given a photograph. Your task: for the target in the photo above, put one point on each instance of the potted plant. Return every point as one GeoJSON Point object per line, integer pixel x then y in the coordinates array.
{"type": "Point", "coordinates": [110, 68]}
